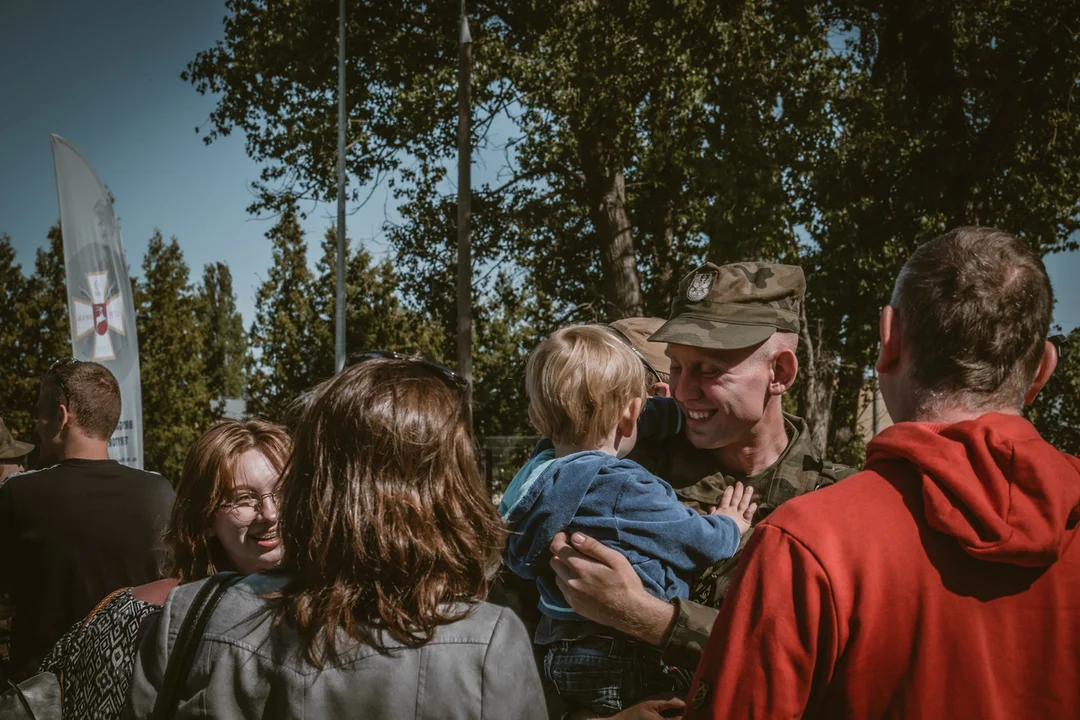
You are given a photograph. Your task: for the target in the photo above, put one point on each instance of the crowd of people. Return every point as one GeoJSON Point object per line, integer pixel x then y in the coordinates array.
{"type": "Point", "coordinates": [688, 550]}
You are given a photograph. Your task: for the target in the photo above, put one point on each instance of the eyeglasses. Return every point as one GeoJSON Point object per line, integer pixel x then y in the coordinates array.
{"type": "Point", "coordinates": [452, 378]}
{"type": "Point", "coordinates": [1062, 343]}
{"type": "Point", "coordinates": [62, 362]}
{"type": "Point", "coordinates": [637, 353]}
{"type": "Point", "coordinates": [245, 506]}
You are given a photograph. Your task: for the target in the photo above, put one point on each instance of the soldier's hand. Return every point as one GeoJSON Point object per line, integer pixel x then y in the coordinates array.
{"type": "Point", "coordinates": [600, 584]}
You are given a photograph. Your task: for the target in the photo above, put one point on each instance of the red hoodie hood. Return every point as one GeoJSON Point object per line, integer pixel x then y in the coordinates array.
{"type": "Point", "coordinates": [993, 483]}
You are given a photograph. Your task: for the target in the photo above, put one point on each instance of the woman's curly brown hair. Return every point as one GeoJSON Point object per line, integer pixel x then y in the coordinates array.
{"type": "Point", "coordinates": [208, 477]}
{"type": "Point", "coordinates": [384, 518]}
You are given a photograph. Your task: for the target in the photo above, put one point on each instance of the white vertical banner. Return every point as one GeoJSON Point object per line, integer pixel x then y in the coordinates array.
{"type": "Point", "coordinates": [100, 304]}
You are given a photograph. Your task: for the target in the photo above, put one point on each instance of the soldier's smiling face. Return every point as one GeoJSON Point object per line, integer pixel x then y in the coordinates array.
{"type": "Point", "coordinates": [723, 393]}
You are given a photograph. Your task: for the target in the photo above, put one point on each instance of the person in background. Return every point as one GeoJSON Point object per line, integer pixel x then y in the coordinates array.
{"type": "Point", "coordinates": [12, 453]}
{"type": "Point", "coordinates": [390, 541]}
{"type": "Point", "coordinates": [82, 526]}
{"type": "Point", "coordinates": [586, 392]}
{"type": "Point", "coordinates": [225, 518]}
{"type": "Point", "coordinates": [12, 458]}
{"type": "Point", "coordinates": [943, 581]}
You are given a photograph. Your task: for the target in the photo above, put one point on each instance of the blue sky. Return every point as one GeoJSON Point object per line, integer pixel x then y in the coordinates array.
{"type": "Point", "coordinates": [106, 77]}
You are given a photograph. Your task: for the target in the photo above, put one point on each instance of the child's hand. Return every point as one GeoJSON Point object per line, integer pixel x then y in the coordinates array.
{"type": "Point", "coordinates": [736, 504]}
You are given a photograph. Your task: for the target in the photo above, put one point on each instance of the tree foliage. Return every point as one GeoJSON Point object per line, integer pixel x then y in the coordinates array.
{"type": "Point", "coordinates": [36, 334]}
{"type": "Point", "coordinates": [1056, 410]}
{"type": "Point", "coordinates": [644, 136]}
{"type": "Point", "coordinates": [285, 338]}
{"type": "Point", "coordinates": [172, 363]}
{"type": "Point", "coordinates": [223, 329]}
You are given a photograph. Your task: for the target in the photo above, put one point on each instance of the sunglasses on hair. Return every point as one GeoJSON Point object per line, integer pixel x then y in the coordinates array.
{"type": "Point", "coordinates": [452, 378]}
{"type": "Point", "coordinates": [648, 365]}
{"type": "Point", "coordinates": [62, 362]}
{"type": "Point", "coordinates": [1061, 344]}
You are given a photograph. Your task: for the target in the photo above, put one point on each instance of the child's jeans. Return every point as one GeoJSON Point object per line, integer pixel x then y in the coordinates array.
{"type": "Point", "coordinates": [610, 673]}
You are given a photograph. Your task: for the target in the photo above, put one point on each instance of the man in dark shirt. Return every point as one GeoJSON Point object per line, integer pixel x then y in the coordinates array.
{"type": "Point", "coordinates": [74, 532]}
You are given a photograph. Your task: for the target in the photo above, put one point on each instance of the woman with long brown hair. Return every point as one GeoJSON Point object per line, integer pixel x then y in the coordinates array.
{"type": "Point", "coordinates": [390, 542]}
{"type": "Point", "coordinates": [224, 517]}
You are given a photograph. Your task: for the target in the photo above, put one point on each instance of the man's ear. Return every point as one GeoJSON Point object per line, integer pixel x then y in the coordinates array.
{"type": "Point", "coordinates": [63, 418]}
{"type": "Point", "coordinates": [661, 389]}
{"type": "Point", "coordinates": [785, 367]}
{"type": "Point", "coordinates": [891, 341]}
{"type": "Point", "coordinates": [628, 421]}
{"type": "Point", "coordinates": [1047, 365]}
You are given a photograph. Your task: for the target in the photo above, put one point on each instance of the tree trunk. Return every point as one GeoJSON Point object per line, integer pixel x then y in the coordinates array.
{"type": "Point", "coordinates": [610, 216]}
{"type": "Point", "coordinates": [818, 382]}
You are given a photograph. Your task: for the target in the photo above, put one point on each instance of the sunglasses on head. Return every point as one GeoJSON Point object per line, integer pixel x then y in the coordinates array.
{"type": "Point", "coordinates": [1061, 344]}
{"type": "Point", "coordinates": [62, 362]}
{"type": "Point", "coordinates": [637, 353]}
{"type": "Point", "coordinates": [452, 378]}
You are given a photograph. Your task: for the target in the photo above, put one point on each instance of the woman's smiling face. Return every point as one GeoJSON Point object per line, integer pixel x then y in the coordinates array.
{"type": "Point", "coordinates": [246, 525]}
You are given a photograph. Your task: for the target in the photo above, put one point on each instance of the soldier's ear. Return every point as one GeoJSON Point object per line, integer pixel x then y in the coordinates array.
{"type": "Point", "coordinates": [785, 368]}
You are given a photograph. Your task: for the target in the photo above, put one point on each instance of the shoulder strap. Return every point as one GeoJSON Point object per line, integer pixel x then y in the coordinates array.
{"type": "Point", "coordinates": [187, 642]}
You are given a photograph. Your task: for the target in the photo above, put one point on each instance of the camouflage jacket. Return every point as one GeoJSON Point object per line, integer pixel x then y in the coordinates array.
{"type": "Point", "coordinates": [699, 483]}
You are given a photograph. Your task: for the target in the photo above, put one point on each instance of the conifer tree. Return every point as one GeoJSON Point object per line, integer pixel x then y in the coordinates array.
{"type": "Point", "coordinates": [42, 332]}
{"type": "Point", "coordinates": [285, 346]}
{"type": "Point", "coordinates": [223, 330]}
{"type": "Point", "coordinates": [176, 401]}
{"type": "Point", "coordinates": [12, 353]}
{"type": "Point", "coordinates": [376, 318]}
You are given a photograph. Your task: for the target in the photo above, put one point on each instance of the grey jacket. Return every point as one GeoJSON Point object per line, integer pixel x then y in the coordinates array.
{"type": "Point", "coordinates": [479, 667]}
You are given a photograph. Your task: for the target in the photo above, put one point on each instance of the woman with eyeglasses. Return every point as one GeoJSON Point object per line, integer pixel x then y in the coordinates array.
{"type": "Point", "coordinates": [378, 611]}
{"type": "Point", "coordinates": [225, 517]}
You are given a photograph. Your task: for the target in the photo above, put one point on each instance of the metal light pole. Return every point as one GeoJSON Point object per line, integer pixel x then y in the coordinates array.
{"type": "Point", "coordinates": [339, 305]}
{"type": "Point", "coordinates": [464, 212]}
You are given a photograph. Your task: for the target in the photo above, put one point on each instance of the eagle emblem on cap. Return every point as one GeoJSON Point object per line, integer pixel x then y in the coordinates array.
{"type": "Point", "coordinates": [700, 285]}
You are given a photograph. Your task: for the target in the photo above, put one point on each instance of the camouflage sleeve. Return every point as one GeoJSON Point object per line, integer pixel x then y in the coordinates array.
{"type": "Point", "coordinates": [685, 643]}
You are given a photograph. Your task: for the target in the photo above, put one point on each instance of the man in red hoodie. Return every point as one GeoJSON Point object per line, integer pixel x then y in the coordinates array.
{"type": "Point", "coordinates": [943, 581]}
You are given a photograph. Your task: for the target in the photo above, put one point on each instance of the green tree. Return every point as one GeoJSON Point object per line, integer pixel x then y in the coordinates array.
{"type": "Point", "coordinates": [176, 400]}
{"type": "Point", "coordinates": [287, 343]}
{"type": "Point", "coordinates": [43, 332]}
{"type": "Point", "coordinates": [12, 353]}
{"type": "Point", "coordinates": [1056, 410]}
{"type": "Point", "coordinates": [376, 318]}
{"type": "Point", "coordinates": [645, 136]}
{"type": "Point", "coordinates": [226, 342]}
{"type": "Point", "coordinates": [947, 114]}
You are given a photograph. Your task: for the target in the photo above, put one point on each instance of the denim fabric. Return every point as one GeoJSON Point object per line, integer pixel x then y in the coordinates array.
{"type": "Point", "coordinates": [610, 673]}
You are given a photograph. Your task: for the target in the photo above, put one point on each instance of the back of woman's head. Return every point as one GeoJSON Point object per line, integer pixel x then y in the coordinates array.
{"type": "Point", "coordinates": [383, 515]}
{"type": "Point", "coordinates": [208, 477]}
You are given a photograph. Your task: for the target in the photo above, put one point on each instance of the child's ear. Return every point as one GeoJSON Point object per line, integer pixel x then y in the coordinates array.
{"type": "Point", "coordinates": [630, 417]}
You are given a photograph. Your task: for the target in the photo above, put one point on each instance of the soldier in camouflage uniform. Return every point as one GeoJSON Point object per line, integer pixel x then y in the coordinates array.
{"type": "Point", "coordinates": [731, 337]}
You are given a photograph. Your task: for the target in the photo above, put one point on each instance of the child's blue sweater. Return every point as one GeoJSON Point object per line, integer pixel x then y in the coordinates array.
{"type": "Point", "coordinates": [619, 503]}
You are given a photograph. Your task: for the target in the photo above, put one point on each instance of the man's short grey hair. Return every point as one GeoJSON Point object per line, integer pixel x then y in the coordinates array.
{"type": "Point", "coordinates": [975, 306]}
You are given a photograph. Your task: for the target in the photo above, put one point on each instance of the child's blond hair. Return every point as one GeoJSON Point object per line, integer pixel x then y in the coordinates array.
{"type": "Point", "coordinates": [580, 381]}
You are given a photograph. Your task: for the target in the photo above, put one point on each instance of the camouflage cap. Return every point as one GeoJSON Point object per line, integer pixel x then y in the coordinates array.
{"type": "Point", "coordinates": [734, 306]}
{"type": "Point", "coordinates": [636, 332]}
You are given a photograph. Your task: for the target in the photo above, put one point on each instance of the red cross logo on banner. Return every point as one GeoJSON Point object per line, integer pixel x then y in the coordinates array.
{"type": "Point", "coordinates": [102, 315]}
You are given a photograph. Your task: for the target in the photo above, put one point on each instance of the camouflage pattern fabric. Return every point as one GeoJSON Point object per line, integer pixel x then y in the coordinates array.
{"type": "Point", "coordinates": [700, 483]}
{"type": "Point", "coordinates": [734, 306]}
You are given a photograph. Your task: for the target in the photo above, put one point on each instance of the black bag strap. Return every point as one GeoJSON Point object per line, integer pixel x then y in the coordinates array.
{"type": "Point", "coordinates": [187, 642]}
